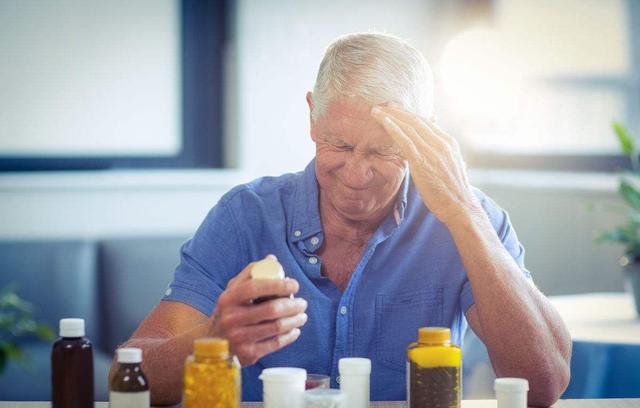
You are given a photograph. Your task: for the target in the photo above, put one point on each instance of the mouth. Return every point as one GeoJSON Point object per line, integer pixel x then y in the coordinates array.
{"type": "Point", "coordinates": [355, 192]}
{"type": "Point", "coordinates": [359, 195]}
{"type": "Point", "coordinates": [356, 189]}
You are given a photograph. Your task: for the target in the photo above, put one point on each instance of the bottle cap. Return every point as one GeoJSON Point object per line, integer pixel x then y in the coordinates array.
{"type": "Point", "coordinates": [354, 366]}
{"type": "Point", "coordinates": [129, 355]}
{"type": "Point", "coordinates": [283, 374]}
{"type": "Point", "coordinates": [434, 335]}
{"type": "Point", "coordinates": [507, 384]}
{"type": "Point", "coordinates": [71, 327]}
{"type": "Point", "coordinates": [267, 268]}
{"type": "Point", "coordinates": [211, 347]}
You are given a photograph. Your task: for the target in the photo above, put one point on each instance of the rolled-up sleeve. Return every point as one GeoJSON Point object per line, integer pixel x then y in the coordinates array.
{"type": "Point", "coordinates": [208, 261]}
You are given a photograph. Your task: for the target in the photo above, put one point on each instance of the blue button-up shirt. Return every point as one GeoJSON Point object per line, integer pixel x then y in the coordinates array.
{"type": "Point", "coordinates": [410, 275]}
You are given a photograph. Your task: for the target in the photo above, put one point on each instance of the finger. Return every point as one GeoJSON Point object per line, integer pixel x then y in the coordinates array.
{"type": "Point", "coordinates": [418, 121]}
{"type": "Point", "coordinates": [266, 330]}
{"type": "Point", "coordinates": [269, 346]}
{"type": "Point", "coordinates": [456, 153]}
{"type": "Point", "coordinates": [431, 160]}
{"type": "Point", "coordinates": [406, 127]}
{"type": "Point", "coordinates": [403, 115]}
{"type": "Point", "coordinates": [422, 146]}
{"type": "Point", "coordinates": [413, 148]}
{"type": "Point", "coordinates": [275, 309]}
{"type": "Point", "coordinates": [407, 147]}
{"type": "Point", "coordinates": [245, 291]}
{"type": "Point", "coordinates": [268, 311]}
{"type": "Point", "coordinates": [447, 149]}
{"type": "Point", "coordinates": [423, 127]}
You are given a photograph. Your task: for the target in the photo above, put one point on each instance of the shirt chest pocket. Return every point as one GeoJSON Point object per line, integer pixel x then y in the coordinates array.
{"type": "Point", "coordinates": [398, 319]}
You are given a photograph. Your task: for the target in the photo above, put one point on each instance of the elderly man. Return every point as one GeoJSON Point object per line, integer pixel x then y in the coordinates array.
{"type": "Point", "coordinates": [381, 234]}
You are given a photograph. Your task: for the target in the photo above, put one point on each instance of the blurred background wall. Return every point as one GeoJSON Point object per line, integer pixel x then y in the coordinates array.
{"type": "Point", "coordinates": [541, 84]}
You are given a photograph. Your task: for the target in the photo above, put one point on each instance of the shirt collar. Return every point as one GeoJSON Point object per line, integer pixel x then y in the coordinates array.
{"type": "Point", "coordinates": [306, 213]}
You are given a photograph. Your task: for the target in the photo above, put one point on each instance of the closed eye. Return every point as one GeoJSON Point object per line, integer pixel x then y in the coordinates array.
{"type": "Point", "coordinates": [386, 151]}
{"type": "Point", "coordinates": [343, 147]}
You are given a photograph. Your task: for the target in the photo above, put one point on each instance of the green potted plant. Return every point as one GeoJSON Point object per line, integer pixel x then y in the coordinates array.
{"type": "Point", "coordinates": [628, 234]}
{"type": "Point", "coordinates": [16, 325]}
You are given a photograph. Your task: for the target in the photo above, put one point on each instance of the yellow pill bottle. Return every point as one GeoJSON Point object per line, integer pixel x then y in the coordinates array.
{"type": "Point", "coordinates": [212, 376]}
{"type": "Point", "coordinates": [434, 375]}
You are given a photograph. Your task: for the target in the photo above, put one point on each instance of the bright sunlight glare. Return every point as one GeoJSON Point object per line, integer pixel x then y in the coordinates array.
{"type": "Point", "coordinates": [479, 77]}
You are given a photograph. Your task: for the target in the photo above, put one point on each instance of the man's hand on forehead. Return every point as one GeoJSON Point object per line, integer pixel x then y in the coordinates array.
{"type": "Point", "coordinates": [435, 162]}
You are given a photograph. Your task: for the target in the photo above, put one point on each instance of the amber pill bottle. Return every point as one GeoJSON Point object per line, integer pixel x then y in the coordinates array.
{"type": "Point", "coordinates": [212, 376]}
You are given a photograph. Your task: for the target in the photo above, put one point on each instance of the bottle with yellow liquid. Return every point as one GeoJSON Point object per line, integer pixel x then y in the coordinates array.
{"type": "Point", "coordinates": [212, 376]}
{"type": "Point", "coordinates": [434, 365]}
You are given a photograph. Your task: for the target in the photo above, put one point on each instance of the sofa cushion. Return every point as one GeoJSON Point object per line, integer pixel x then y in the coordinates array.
{"type": "Point", "coordinates": [58, 277]}
{"type": "Point", "coordinates": [32, 381]}
{"type": "Point", "coordinates": [133, 275]}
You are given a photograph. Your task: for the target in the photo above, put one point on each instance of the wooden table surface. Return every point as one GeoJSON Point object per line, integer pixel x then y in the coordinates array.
{"type": "Point", "coordinates": [596, 403]}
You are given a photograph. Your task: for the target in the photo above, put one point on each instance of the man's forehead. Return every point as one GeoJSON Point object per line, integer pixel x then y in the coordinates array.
{"type": "Point", "coordinates": [356, 107]}
{"type": "Point", "coordinates": [352, 116]}
{"type": "Point", "coordinates": [352, 106]}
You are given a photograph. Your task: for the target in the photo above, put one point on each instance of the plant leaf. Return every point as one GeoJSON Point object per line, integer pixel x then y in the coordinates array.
{"type": "Point", "coordinates": [45, 333]}
{"type": "Point", "coordinates": [630, 194]}
{"type": "Point", "coordinates": [615, 235]}
{"type": "Point", "coordinates": [624, 138]}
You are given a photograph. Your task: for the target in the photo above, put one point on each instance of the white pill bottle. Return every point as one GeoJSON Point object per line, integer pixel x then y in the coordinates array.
{"type": "Point", "coordinates": [511, 392]}
{"type": "Point", "coordinates": [354, 381]}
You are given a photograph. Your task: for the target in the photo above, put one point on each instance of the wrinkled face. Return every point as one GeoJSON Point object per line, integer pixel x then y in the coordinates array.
{"type": "Point", "coordinates": [358, 167]}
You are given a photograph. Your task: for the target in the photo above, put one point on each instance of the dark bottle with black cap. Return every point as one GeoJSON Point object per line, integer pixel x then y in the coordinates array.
{"type": "Point", "coordinates": [72, 367]}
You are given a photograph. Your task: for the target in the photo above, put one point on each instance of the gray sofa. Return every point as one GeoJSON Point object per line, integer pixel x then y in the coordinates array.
{"type": "Point", "coordinates": [113, 284]}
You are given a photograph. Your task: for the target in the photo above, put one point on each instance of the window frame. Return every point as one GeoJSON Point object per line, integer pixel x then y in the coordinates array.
{"type": "Point", "coordinates": [203, 38]}
{"type": "Point", "coordinates": [583, 162]}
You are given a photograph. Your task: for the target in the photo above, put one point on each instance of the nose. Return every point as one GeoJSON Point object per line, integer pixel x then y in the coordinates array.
{"type": "Point", "coordinates": [357, 172]}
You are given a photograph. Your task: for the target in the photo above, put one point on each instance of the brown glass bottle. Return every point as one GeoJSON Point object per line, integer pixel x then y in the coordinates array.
{"type": "Point", "coordinates": [128, 387]}
{"type": "Point", "coordinates": [72, 367]}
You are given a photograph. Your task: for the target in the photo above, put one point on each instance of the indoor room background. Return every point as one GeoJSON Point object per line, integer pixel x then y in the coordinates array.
{"type": "Point", "coordinates": [123, 122]}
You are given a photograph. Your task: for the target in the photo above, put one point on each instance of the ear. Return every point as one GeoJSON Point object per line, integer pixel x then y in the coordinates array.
{"type": "Point", "coordinates": [309, 97]}
{"type": "Point", "coordinates": [312, 131]}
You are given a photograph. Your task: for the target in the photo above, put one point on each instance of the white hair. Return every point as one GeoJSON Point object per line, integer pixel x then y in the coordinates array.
{"type": "Point", "coordinates": [378, 67]}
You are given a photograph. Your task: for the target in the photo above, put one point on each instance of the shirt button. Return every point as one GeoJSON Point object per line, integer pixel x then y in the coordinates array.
{"type": "Point", "coordinates": [343, 310]}
{"type": "Point", "coordinates": [167, 292]}
{"type": "Point", "coordinates": [338, 379]}
{"type": "Point", "coordinates": [297, 233]}
{"type": "Point", "coordinates": [315, 240]}
{"type": "Point", "coordinates": [313, 260]}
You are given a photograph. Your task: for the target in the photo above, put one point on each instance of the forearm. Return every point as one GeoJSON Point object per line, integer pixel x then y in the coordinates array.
{"type": "Point", "coordinates": [163, 363]}
{"type": "Point", "coordinates": [524, 334]}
